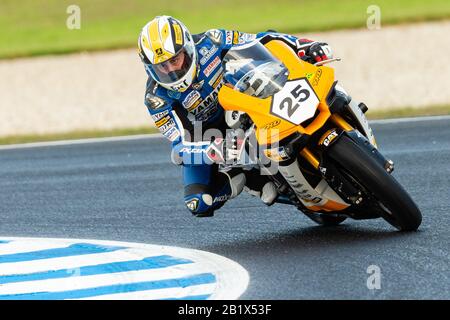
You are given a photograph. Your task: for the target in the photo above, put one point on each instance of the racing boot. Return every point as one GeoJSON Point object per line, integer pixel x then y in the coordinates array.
{"type": "Point", "coordinates": [260, 186]}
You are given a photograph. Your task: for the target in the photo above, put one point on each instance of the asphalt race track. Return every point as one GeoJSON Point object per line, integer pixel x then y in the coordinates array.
{"type": "Point", "coordinates": [128, 190]}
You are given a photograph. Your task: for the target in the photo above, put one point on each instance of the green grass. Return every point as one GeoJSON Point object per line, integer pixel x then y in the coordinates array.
{"type": "Point", "coordinates": [36, 27]}
{"type": "Point", "coordinates": [371, 115]}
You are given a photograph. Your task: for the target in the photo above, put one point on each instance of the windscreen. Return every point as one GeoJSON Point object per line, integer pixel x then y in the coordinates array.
{"type": "Point", "coordinates": [253, 70]}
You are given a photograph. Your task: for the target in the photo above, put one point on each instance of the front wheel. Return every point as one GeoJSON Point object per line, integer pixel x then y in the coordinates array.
{"type": "Point", "coordinates": [397, 206]}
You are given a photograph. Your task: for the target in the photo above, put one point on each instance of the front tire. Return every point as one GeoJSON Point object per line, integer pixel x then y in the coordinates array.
{"type": "Point", "coordinates": [397, 206]}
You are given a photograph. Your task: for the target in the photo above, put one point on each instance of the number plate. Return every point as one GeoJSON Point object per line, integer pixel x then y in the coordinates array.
{"type": "Point", "coordinates": [296, 102]}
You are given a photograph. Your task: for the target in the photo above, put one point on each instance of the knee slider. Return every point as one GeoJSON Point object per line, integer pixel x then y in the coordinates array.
{"type": "Point", "coordinates": [199, 203]}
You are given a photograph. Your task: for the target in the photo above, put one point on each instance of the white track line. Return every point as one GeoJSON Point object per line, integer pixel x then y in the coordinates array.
{"type": "Point", "coordinates": [411, 119]}
{"type": "Point", "coordinates": [80, 141]}
{"type": "Point", "coordinates": [158, 135]}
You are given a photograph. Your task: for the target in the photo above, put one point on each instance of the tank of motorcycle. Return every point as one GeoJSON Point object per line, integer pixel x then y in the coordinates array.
{"type": "Point", "coordinates": [276, 89]}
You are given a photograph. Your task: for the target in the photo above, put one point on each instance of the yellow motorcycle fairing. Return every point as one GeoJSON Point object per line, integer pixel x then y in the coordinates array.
{"type": "Point", "coordinates": [271, 128]}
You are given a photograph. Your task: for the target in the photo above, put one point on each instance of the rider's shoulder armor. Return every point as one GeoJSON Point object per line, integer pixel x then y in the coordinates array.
{"type": "Point", "coordinates": [155, 98]}
{"type": "Point", "coordinates": [215, 35]}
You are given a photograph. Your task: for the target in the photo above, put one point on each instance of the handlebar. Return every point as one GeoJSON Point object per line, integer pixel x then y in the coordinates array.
{"type": "Point", "coordinates": [321, 63]}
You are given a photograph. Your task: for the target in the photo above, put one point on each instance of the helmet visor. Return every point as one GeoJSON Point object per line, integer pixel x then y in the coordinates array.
{"type": "Point", "coordinates": [175, 68]}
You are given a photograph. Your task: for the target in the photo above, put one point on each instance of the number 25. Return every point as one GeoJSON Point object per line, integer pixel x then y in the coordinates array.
{"type": "Point", "coordinates": [287, 102]}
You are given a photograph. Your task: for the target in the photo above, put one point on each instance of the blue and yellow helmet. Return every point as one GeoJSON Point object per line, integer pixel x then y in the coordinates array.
{"type": "Point", "coordinates": [163, 42]}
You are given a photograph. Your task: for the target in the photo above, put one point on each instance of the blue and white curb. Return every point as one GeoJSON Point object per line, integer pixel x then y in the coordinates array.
{"type": "Point", "coordinates": [54, 269]}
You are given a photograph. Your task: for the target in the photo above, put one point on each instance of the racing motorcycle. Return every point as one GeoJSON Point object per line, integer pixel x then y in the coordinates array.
{"type": "Point", "coordinates": [327, 160]}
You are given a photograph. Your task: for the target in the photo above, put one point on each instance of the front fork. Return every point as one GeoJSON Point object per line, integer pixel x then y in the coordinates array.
{"type": "Point", "coordinates": [311, 157]}
{"type": "Point", "coordinates": [346, 190]}
{"type": "Point", "coordinates": [342, 189]}
{"type": "Point", "coordinates": [356, 136]}
{"type": "Point", "coordinates": [321, 197]}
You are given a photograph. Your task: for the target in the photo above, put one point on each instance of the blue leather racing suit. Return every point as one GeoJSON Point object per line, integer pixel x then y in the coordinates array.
{"type": "Point", "coordinates": [176, 115]}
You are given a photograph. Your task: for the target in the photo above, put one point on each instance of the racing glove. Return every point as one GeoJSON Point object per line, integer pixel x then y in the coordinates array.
{"type": "Point", "coordinates": [226, 150]}
{"type": "Point", "coordinates": [219, 151]}
{"type": "Point", "coordinates": [315, 52]}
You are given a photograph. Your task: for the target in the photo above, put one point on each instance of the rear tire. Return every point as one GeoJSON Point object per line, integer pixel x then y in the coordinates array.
{"type": "Point", "coordinates": [398, 207]}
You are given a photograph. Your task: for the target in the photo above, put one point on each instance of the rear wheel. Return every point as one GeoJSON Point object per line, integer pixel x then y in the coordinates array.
{"type": "Point", "coordinates": [397, 206]}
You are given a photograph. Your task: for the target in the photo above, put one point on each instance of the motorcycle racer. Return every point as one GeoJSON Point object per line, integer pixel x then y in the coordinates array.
{"type": "Point", "coordinates": [185, 75]}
